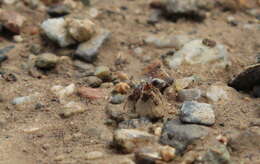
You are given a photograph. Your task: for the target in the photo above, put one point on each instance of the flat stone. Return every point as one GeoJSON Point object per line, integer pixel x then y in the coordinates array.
{"type": "Point", "coordinates": [197, 53]}
{"type": "Point", "coordinates": [72, 108]}
{"type": "Point", "coordinates": [189, 94]}
{"type": "Point", "coordinates": [197, 113]}
{"type": "Point", "coordinates": [89, 50]}
{"type": "Point", "coordinates": [93, 81]}
{"type": "Point", "coordinates": [58, 10]}
{"type": "Point", "coordinates": [129, 140]}
{"type": "Point", "coordinates": [117, 99]}
{"type": "Point", "coordinates": [46, 61]}
{"type": "Point", "coordinates": [216, 93]}
{"type": "Point", "coordinates": [180, 135]}
{"type": "Point", "coordinates": [55, 29]}
{"type": "Point", "coordinates": [94, 155]}
{"type": "Point", "coordinates": [138, 123]}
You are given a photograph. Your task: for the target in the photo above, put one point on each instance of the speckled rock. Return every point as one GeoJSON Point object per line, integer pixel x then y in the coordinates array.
{"type": "Point", "coordinates": [46, 61]}
{"type": "Point", "coordinates": [197, 113]}
{"type": "Point", "coordinates": [55, 29]}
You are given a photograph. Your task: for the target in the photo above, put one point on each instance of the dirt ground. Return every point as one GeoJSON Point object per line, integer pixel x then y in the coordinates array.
{"type": "Point", "coordinates": [40, 136]}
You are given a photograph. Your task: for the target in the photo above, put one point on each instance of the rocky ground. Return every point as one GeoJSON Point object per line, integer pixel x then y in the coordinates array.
{"type": "Point", "coordinates": [129, 81]}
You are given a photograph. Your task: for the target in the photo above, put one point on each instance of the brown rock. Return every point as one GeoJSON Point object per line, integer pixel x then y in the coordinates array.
{"type": "Point", "coordinates": [91, 93]}
{"type": "Point", "coordinates": [122, 88]}
{"type": "Point", "coordinates": [12, 21]}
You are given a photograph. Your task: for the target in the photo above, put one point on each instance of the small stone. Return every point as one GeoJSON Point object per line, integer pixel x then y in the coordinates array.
{"type": "Point", "coordinates": [117, 99]}
{"type": "Point", "coordinates": [81, 30]}
{"type": "Point", "coordinates": [147, 155]}
{"type": "Point", "coordinates": [139, 123]}
{"type": "Point", "coordinates": [103, 73]}
{"type": "Point", "coordinates": [232, 21]}
{"type": "Point", "coordinates": [13, 21]}
{"type": "Point", "coordinates": [183, 83]}
{"type": "Point", "coordinates": [218, 154]}
{"type": "Point", "coordinates": [116, 112]}
{"type": "Point", "coordinates": [88, 51]}
{"type": "Point", "coordinates": [93, 81]}
{"type": "Point", "coordinates": [168, 41]}
{"type": "Point", "coordinates": [94, 13]}
{"type": "Point", "coordinates": [85, 2]}
{"type": "Point", "coordinates": [46, 61]}
{"type": "Point", "coordinates": [3, 58]}
{"type": "Point", "coordinates": [216, 93]}
{"type": "Point", "coordinates": [58, 10]}
{"type": "Point", "coordinates": [25, 99]}
{"type": "Point", "coordinates": [87, 69]}
{"type": "Point", "coordinates": [94, 155]}
{"type": "Point", "coordinates": [122, 76]}
{"type": "Point", "coordinates": [36, 49]}
{"type": "Point", "coordinates": [107, 85]}
{"type": "Point", "coordinates": [91, 93]}
{"type": "Point", "coordinates": [18, 38]}
{"type": "Point", "coordinates": [189, 94]}
{"type": "Point", "coordinates": [72, 108]}
{"type": "Point", "coordinates": [122, 88]}
{"type": "Point", "coordinates": [154, 17]}
{"type": "Point", "coordinates": [63, 92]}
{"type": "Point", "coordinates": [4, 51]}
{"type": "Point", "coordinates": [168, 153]}
{"type": "Point", "coordinates": [197, 113]}
{"type": "Point", "coordinates": [55, 29]}
{"type": "Point", "coordinates": [196, 52]}
{"type": "Point", "coordinates": [180, 135]}
{"type": "Point", "coordinates": [128, 140]}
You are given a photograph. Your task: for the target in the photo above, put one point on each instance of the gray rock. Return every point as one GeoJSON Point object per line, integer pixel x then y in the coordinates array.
{"type": "Point", "coordinates": [189, 94]}
{"type": "Point", "coordinates": [85, 2]}
{"type": "Point", "coordinates": [21, 100]}
{"type": "Point", "coordinates": [4, 51]}
{"type": "Point", "coordinates": [93, 81]}
{"type": "Point", "coordinates": [89, 50]}
{"type": "Point", "coordinates": [58, 10]}
{"type": "Point", "coordinates": [216, 155]}
{"type": "Point", "coordinates": [196, 52]}
{"type": "Point", "coordinates": [46, 61]}
{"type": "Point", "coordinates": [154, 17]}
{"type": "Point", "coordinates": [168, 41]}
{"type": "Point", "coordinates": [87, 69]}
{"type": "Point", "coordinates": [180, 135]}
{"type": "Point", "coordinates": [188, 6]}
{"type": "Point", "coordinates": [55, 29]}
{"type": "Point", "coordinates": [197, 113]}
{"type": "Point", "coordinates": [129, 140]}
{"type": "Point", "coordinates": [117, 99]}
{"type": "Point", "coordinates": [135, 123]}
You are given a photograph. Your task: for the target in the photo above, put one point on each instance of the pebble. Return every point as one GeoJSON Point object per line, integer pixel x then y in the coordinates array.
{"type": "Point", "coordinates": [93, 81]}
{"type": "Point", "coordinates": [154, 17]}
{"type": "Point", "coordinates": [138, 123]}
{"type": "Point", "coordinates": [81, 30]}
{"type": "Point", "coordinates": [3, 58]}
{"type": "Point", "coordinates": [189, 94]}
{"type": "Point", "coordinates": [88, 51]}
{"type": "Point", "coordinates": [24, 99]}
{"type": "Point", "coordinates": [232, 21]}
{"type": "Point", "coordinates": [36, 49]}
{"type": "Point", "coordinates": [217, 154]}
{"type": "Point", "coordinates": [55, 29]}
{"type": "Point", "coordinates": [168, 41]}
{"type": "Point", "coordinates": [197, 113]}
{"type": "Point", "coordinates": [183, 83]}
{"type": "Point", "coordinates": [91, 93]}
{"type": "Point", "coordinates": [94, 155]}
{"type": "Point", "coordinates": [129, 140]}
{"type": "Point", "coordinates": [46, 61]}
{"type": "Point", "coordinates": [4, 51]}
{"type": "Point", "coordinates": [117, 99]}
{"type": "Point", "coordinates": [197, 53]}
{"type": "Point", "coordinates": [72, 108]}
{"type": "Point", "coordinates": [180, 135]}
{"type": "Point", "coordinates": [103, 73]}
{"type": "Point", "coordinates": [18, 38]}
{"type": "Point", "coordinates": [12, 20]}
{"type": "Point", "coordinates": [147, 155]}
{"type": "Point", "coordinates": [58, 10]}
{"type": "Point", "coordinates": [195, 7]}
{"type": "Point", "coordinates": [63, 92]}
{"type": "Point", "coordinates": [122, 88]}
{"type": "Point", "coordinates": [168, 153]}
{"type": "Point", "coordinates": [216, 93]}
{"type": "Point", "coordinates": [116, 112]}
{"type": "Point", "coordinates": [87, 69]}
{"type": "Point", "coordinates": [85, 2]}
